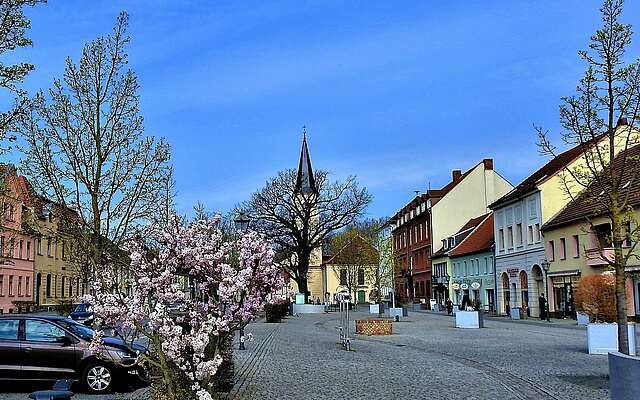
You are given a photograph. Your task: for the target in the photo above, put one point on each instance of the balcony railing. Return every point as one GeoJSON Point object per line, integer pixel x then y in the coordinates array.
{"type": "Point", "coordinates": [596, 257]}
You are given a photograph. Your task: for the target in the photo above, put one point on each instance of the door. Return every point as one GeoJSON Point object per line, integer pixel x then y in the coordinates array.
{"type": "Point", "coordinates": [45, 356]}
{"type": "Point", "coordinates": [361, 296]}
{"type": "Point", "coordinates": [490, 300]}
{"type": "Point", "coordinates": [507, 301]}
{"type": "Point", "coordinates": [9, 349]}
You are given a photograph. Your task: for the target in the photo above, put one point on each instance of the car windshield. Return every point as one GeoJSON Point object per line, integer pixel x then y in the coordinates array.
{"type": "Point", "coordinates": [82, 308]}
{"type": "Point", "coordinates": [78, 329]}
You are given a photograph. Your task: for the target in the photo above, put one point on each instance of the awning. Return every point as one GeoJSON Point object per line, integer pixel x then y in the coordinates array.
{"type": "Point", "coordinates": [570, 272]}
{"type": "Point", "coordinates": [632, 268]}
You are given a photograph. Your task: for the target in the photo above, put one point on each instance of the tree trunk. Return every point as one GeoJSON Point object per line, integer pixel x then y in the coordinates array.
{"type": "Point", "coordinates": [621, 309]}
{"type": "Point", "coordinates": [303, 272]}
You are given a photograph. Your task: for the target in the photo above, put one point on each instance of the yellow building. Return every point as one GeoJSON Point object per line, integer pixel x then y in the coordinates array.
{"type": "Point", "coordinates": [351, 270]}
{"type": "Point", "coordinates": [576, 241]}
{"type": "Point", "coordinates": [59, 280]}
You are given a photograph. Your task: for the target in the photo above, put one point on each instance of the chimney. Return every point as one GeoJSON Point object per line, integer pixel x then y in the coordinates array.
{"type": "Point", "coordinates": [622, 121]}
{"type": "Point", "coordinates": [456, 174]}
{"type": "Point", "coordinates": [488, 163]}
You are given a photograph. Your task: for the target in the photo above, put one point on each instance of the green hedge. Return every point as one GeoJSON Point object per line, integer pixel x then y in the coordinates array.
{"type": "Point", "coordinates": [276, 311]}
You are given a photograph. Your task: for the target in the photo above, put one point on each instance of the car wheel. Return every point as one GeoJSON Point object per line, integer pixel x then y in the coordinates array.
{"type": "Point", "coordinates": [98, 378]}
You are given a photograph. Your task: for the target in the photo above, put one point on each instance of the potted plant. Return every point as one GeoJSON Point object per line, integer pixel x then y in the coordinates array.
{"type": "Point", "coordinates": [472, 319]}
{"type": "Point", "coordinates": [595, 296]}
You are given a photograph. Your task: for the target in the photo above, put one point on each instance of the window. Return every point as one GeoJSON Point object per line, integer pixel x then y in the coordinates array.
{"type": "Point", "coordinates": [501, 240]}
{"type": "Point", "coordinates": [563, 249]}
{"type": "Point", "coordinates": [519, 235]}
{"type": "Point", "coordinates": [9, 329]}
{"type": "Point", "coordinates": [576, 246]}
{"type": "Point", "coordinates": [55, 249]}
{"type": "Point", "coordinates": [2, 246]}
{"type": "Point", "coordinates": [343, 277]}
{"type": "Point", "coordinates": [70, 287]}
{"type": "Point", "coordinates": [39, 246]}
{"type": "Point", "coordinates": [530, 234]}
{"type": "Point", "coordinates": [10, 285]}
{"type": "Point", "coordinates": [20, 245]}
{"type": "Point", "coordinates": [536, 231]}
{"type": "Point", "coordinates": [551, 251]}
{"type": "Point", "coordinates": [41, 331]}
{"type": "Point", "coordinates": [465, 271]}
{"type": "Point", "coordinates": [1, 285]}
{"type": "Point", "coordinates": [26, 287]}
{"type": "Point", "coordinates": [532, 208]}
{"type": "Point", "coordinates": [19, 286]}
{"type": "Point", "coordinates": [62, 291]}
{"type": "Point", "coordinates": [28, 249]}
{"type": "Point", "coordinates": [360, 277]}
{"type": "Point", "coordinates": [49, 247]}
{"type": "Point", "coordinates": [12, 248]}
{"type": "Point", "coordinates": [48, 285]}
{"type": "Point", "coordinates": [510, 237]}
{"type": "Point", "coordinates": [63, 245]}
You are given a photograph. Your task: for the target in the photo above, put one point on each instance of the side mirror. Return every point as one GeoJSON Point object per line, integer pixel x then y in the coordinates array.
{"type": "Point", "coordinates": [64, 340]}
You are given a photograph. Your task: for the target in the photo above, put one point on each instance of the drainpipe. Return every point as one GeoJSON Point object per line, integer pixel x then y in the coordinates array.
{"type": "Point", "coordinates": [495, 281]}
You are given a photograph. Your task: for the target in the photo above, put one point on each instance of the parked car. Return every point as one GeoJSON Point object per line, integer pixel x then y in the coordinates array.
{"type": "Point", "coordinates": [82, 314]}
{"type": "Point", "coordinates": [48, 348]}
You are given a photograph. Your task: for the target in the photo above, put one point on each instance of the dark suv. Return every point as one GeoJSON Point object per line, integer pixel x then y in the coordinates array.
{"type": "Point", "coordinates": [47, 348]}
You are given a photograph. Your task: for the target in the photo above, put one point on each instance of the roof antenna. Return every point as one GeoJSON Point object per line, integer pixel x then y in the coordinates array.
{"type": "Point", "coordinates": [417, 192]}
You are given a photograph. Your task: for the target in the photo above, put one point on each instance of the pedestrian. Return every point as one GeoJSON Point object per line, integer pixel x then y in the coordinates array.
{"type": "Point", "coordinates": [449, 304]}
{"type": "Point", "coordinates": [542, 303]}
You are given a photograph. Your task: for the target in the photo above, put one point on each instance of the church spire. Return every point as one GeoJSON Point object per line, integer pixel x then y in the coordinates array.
{"type": "Point", "coordinates": [305, 182]}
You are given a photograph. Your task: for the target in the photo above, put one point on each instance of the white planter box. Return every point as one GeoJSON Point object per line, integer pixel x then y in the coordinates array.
{"type": "Point", "coordinates": [308, 309]}
{"type": "Point", "coordinates": [393, 312]}
{"type": "Point", "coordinates": [515, 313]}
{"type": "Point", "coordinates": [583, 319]}
{"type": "Point", "coordinates": [456, 309]}
{"type": "Point", "coordinates": [374, 308]}
{"type": "Point", "coordinates": [469, 319]}
{"type": "Point", "coordinates": [603, 338]}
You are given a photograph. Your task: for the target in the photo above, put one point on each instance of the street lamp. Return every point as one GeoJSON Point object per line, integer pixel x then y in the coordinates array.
{"type": "Point", "coordinates": [545, 267]}
{"type": "Point", "coordinates": [242, 221]}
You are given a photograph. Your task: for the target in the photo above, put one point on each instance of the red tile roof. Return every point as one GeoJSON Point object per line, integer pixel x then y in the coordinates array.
{"type": "Point", "coordinates": [463, 234]}
{"type": "Point", "coordinates": [592, 202]}
{"type": "Point", "coordinates": [481, 239]}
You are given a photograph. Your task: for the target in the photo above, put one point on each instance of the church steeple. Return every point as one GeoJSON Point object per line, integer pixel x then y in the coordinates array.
{"type": "Point", "coordinates": [305, 182]}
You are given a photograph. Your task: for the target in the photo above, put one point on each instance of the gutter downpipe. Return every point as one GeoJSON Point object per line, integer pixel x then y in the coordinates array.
{"type": "Point", "coordinates": [495, 281]}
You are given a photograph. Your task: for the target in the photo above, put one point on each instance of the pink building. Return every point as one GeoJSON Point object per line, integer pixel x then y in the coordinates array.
{"type": "Point", "coordinates": [16, 247]}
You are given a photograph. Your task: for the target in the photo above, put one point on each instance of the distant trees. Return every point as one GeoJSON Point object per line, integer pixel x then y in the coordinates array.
{"type": "Point", "coordinates": [602, 118]}
{"type": "Point", "coordinates": [298, 221]}
{"type": "Point", "coordinates": [85, 149]}
{"type": "Point", "coordinates": [354, 259]}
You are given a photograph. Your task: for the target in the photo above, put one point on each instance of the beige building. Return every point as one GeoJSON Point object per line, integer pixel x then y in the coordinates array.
{"type": "Point", "coordinates": [576, 247]}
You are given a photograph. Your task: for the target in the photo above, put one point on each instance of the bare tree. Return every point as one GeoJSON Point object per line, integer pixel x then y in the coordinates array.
{"type": "Point", "coordinates": [85, 148]}
{"type": "Point", "coordinates": [298, 221]}
{"type": "Point", "coordinates": [602, 119]}
{"type": "Point", "coordinates": [13, 29]}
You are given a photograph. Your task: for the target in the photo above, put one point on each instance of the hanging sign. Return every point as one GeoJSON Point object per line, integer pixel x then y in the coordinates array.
{"type": "Point", "coordinates": [475, 285]}
{"type": "Point", "coordinates": [464, 286]}
{"type": "Point", "coordinates": [455, 286]}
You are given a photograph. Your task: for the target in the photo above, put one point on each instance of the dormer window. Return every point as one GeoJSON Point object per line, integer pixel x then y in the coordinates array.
{"type": "Point", "coordinates": [451, 242]}
{"type": "Point", "coordinates": [444, 244]}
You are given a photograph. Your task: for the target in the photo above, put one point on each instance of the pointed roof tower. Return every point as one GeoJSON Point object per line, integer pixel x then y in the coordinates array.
{"type": "Point", "coordinates": [305, 182]}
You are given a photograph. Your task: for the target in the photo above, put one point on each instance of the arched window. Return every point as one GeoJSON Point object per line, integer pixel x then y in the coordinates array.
{"type": "Point", "coordinates": [48, 285]}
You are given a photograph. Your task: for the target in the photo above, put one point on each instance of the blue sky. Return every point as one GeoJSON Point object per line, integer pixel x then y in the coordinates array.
{"type": "Point", "coordinates": [397, 93]}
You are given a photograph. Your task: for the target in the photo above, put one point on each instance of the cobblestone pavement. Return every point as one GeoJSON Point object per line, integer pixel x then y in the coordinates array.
{"type": "Point", "coordinates": [426, 358]}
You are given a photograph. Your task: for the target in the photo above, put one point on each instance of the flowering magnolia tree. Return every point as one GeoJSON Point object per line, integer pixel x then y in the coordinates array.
{"type": "Point", "coordinates": [229, 283]}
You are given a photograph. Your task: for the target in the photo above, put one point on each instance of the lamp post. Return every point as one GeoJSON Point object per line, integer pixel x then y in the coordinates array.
{"type": "Point", "coordinates": [242, 225]}
{"type": "Point", "coordinates": [545, 267]}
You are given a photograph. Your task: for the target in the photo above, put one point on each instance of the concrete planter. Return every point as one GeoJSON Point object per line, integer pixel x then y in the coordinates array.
{"type": "Point", "coordinates": [395, 312]}
{"type": "Point", "coordinates": [456, 309]}
{"type": "Point", "coordinates": [603, 338]}
{"type": "Point", "coordinates": [308, 309]}
{"type": "Point", "coordinates": [374, 308]}
{"type": "Point", "coordinates": [516, 313]}
{"type": "Point", "coordinates": [582, 318]}
{"type": "Point", "coordinates": [469, 319]}
{"type": "Point", "coordinates": [435, 307]}
{"type": "Point", "coordinates": [624, 376]}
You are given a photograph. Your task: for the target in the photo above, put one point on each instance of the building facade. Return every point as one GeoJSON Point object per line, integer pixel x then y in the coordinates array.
{"type": "Point", "coordinates": [16, 246]}
{"type": "Point", "coordinates": [434, 216]}
{"type": "Point", "coordinates": [472, 269]}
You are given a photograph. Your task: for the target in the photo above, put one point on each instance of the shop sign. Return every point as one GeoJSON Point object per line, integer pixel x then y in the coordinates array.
{"type": "Point", "coordinates": [464, 286]}
{"type": "Point", "coordinates": [455, 286]}
{"type": "Point", "coordinates": [475, 285]}
{"type": "Point", "coordinates": [513, 272]}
